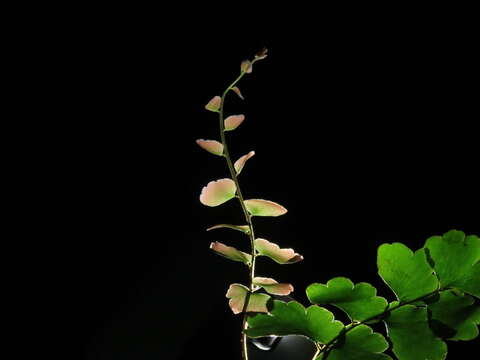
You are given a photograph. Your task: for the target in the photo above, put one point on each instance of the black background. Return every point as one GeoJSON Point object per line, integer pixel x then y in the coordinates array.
{"type": "Point", "coordinates": [364, 133]}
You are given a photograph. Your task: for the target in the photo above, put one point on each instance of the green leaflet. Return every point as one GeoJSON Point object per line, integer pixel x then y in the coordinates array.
{"type": "Point", "coordinates": [407, 273]}
{"type": "Point", "coordinates": [237, 91]}
{"type": "Point", "coordinates": [231, 253]}
{"type": "Point", "coordinates": [411, 335]}
{"type": "Point", "coordinates": [292, 318]}
{"type": "Point", "coordinates": [240, 163]}
{"type": "Point", "coordinates": [471, 283]}
{"type": "Point", "coordinates": [214, 104]}
{"type": "Point", "coordinates": [459, 313]}
{"type": "Point", "coordinates": [260, 207]}
{"type": "Point", "coordinates": [358, 301]}
{"type": "Point", "coordinates": [456, 259]}
{"type": "Point", "coordinates": [272, 286]}
{"type": "Point", "coordinates": [274, 252]}
{"type": "Point", "coordinates": [246, 66]}
{"type": "Point", "coordinates": [238, 293]}
{"type": "Point", "coordinates": [218, 192]}
{"type": "Point", "coordinates": [233, 121]}
{"type": "Point", "coordinates": [212, 146]}
{"type": "Point", "coordinates": [243, 228]}
{"type": "Point", "coordinates": [360, 343]}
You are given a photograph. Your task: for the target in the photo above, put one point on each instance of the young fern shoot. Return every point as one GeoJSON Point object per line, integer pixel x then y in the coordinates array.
{"type": "Point", "coordinates": [436, 288]}
{"type": "Point", "coordinates": [244, 299]}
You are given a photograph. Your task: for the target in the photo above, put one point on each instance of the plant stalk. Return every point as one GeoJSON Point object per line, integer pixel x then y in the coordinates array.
{"type": "Point", "coordinates": [248, 217]}
{"type": "Point", "coordinates": [318, 346]}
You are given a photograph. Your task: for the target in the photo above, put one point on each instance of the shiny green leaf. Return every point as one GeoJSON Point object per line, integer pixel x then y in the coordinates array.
{"type": "Point", "coordinates": [471, 282]}
{"type": "Point", "coordinates": [456, 260]}
{"type": "Point", "coordinates": [360, 343]}
{"type": "Point", "coordinates": [358, 301]}
{"type": "Point", "coordinates": [411, 336]}
{"type": "Point", "coordinates": [458, 312]}
{"type": "Point", "coordinates": [408, 274]}
{"type": "Point", "coordinates": [292, 318]}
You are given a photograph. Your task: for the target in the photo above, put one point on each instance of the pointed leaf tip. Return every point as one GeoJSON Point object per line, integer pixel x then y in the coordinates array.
{"type": "Point", "coordinates": [212, 146]}
{"type": "Point", "coordinates": [272, 286]}
{"type": "Point", "coordinates": [273, 251]}
{"type": "Point", "coordinates": [237, 293]}
{"type": "Point", "coordinates": [262, 54]}
{"type": "Point", "coordinates": [218, 192]}
{"type": "Point", "coordinates": [233, 121]}
{"type": "Point", "coordinates": [260, 207]}
{"type": "Point", "coordinates": [214, 104]}
{"type": "Point", "coordinates": [230, 252]}
{"type": "Point", "coordinates": [246, 66]}
{"type": "Point", "coordinates": [240, 163]}
{"type": "Point", "coordinates": [236, 90]}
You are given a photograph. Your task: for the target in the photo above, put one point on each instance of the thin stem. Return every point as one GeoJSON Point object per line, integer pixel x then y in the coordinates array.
{"type": "Point", "coordinates": [319, 349]}
{"type": "Point", "coordinates": [328, 346]}
{"type": "Point", "coordinates": [244, 339]}
{"type": "Point", "coordinates": [248, 217]}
